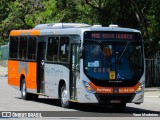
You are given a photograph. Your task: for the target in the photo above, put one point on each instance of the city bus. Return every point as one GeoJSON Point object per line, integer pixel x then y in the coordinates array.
{"type": "Point", "coordinates": [76, 62]}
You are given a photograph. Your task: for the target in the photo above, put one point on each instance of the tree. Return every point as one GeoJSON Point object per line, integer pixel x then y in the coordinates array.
{"type": "Point", "coordinates": [142, 15]}
{"type": "Point", "coordinates": [4, 10]}
{"type": "Point", "coordinates": [17, 15]}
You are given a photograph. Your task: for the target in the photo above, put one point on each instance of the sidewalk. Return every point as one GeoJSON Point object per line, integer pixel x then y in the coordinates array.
{"type": "Point", "coordinates": [153, 92]}
{"type": "Point", "coordinates": [152, 89]}
{"type": "Point", "coordinates": [3, 71]}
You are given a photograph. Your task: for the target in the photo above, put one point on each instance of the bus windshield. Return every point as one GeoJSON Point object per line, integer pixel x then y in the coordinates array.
{"type": "Point", "coordinates": [113, 61]}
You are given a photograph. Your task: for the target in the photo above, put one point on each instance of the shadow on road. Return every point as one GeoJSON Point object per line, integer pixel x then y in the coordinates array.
{"type": "Point", "coordinates": [95, 108]}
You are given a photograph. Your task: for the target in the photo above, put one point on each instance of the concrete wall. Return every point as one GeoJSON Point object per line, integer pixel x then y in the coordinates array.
{"type": "Point", "coordinates": [4, 63]}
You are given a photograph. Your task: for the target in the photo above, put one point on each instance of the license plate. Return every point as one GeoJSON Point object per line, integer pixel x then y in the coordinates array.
{"type": "Point", "coordinates": [115, 101]}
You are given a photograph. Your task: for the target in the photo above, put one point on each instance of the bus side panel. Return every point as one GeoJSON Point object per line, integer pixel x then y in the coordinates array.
{"type": "Point", "coordinates": [32, 75]}
{"type": "Point", "coordinates": [28, 69]}
{"type": "Point", "coordinates": [53, 74]}
{"type": "Point", "coordinates": [13, 73]}
{"type": "Point", "coordinates": [18, 68]}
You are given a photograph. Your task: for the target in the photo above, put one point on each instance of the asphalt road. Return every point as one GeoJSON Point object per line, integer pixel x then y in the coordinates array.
{"type": "Point", "coordinates": [11, 101]}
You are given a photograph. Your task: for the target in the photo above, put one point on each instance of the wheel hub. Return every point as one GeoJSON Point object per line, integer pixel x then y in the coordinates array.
{"type": "Point", "coordinates": [24, 89]}
{"type": "Point", "coordinates": [64, 96]}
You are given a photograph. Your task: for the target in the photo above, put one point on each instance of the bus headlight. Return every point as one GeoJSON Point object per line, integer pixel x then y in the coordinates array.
{"type": "Point", "coordinates": [140, 88]}
{"type": "Point", "coordinates": [88, 87]}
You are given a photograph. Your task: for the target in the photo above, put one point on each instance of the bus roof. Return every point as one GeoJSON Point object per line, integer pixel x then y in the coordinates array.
{"type": "Point", "coordinates": [66, 29]}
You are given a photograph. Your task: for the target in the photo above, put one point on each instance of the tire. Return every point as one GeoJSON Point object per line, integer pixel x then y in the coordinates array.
{"type": "Point", "coordinates": [63, 97]}
{"type": "Point", "coordinates": [24, 94]}
{"type": "Point", "coordinates": [119, 107]}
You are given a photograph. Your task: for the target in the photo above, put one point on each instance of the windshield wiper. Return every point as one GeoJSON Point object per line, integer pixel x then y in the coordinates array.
{"type": "Point", "coordinates": [120, 57]}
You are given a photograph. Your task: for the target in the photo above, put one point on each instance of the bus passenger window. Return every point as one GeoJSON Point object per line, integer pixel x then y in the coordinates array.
{"type": "Point", "coordinates": [52, 49]}
{"type": "Point", "coordinates": [13, 47]}
{"type": "Point", "coordinates": [23, 48]}
{"type": "Point", "coordinates": [64, 49]}
{"type": "Point", "coordinates": [32, 48]}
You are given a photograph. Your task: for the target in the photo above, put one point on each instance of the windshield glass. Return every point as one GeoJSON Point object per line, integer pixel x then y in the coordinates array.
{"type": "Point", "coordinates": [113, 61]}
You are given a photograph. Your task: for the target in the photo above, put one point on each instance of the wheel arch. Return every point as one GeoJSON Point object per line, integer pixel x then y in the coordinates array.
{"type": "Point", "coordinates": [21, 78]}
{"type": "Point", "coordinates": [61, 83]}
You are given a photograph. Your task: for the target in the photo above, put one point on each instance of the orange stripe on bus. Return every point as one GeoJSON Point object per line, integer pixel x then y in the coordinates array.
{"type": "Point", "coordinates": [123, 90]}
{"type": "Point", "coordinates": [99, 89]}
{"type": "Point", "coordinates": [110, 90]}
{"type": "Point", "coordinates": [24, 32]}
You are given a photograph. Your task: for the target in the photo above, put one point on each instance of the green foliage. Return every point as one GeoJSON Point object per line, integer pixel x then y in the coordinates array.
{"type": "Point", "coordinates": [25, 14]}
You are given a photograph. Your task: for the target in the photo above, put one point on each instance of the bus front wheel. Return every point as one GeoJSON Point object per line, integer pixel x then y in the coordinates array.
{"type": "Point", "coordinates": [63, 97]}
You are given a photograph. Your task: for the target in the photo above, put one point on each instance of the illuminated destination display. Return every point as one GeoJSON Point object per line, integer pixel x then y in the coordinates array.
{"type": "Point", "coordinates": [111, 36]}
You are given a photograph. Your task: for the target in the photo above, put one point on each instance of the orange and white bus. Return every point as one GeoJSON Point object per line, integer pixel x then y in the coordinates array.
{"type": "Point", "coordinates": [78, 62]}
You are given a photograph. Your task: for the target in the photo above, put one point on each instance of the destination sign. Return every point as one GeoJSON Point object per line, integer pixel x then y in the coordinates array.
{"type": "Point", "coordinates": [112, 36]}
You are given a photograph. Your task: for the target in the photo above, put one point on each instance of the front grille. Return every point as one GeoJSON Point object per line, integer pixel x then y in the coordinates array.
{"type": "Point", "coordinates": [126, 98]}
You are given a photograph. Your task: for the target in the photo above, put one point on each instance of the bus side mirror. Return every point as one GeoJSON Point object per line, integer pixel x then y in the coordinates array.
{"type": "Point", "coordinates": [81, 52]}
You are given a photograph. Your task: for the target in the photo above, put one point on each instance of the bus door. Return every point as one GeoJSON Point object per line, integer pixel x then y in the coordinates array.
{"type": "Point", "coordinates": [75, 69]}
{"type": "Point", "coordinates": [40, 66]}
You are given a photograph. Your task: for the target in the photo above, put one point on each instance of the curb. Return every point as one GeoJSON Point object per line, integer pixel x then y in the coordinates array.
{"type": "Point", "coordinates": [151, 96]}
{"type": "Point", "coordinates": [152, 90]}
{"type": "Point", "coordinates": [3, 75]}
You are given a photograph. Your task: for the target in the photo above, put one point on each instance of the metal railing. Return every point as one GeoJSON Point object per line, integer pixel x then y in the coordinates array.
{"type": "Point", "coordinates": [153, 71]}
{"type": "Point", "coordinates": [3, 52]}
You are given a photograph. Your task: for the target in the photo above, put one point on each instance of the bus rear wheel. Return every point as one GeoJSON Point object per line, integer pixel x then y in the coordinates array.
{"type": "Point", "coordinates": [24, 94]}
{"type": "Point", "coordinates": [63, 97]}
